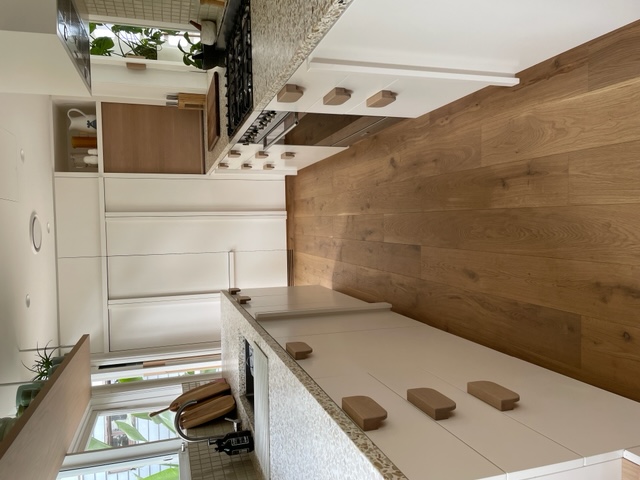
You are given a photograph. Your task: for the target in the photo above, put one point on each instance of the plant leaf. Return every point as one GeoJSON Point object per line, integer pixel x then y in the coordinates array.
{"type": "Point", "coordinates": [102, 46]}
{"type": "Point", "coordinates": [95, 444]}
{"type": "Point", "coordinates": [166, 419]}
{"type": "Point", "coordinates": [129, 379]}
{"type": "Point", "coordinates": [130, 431]}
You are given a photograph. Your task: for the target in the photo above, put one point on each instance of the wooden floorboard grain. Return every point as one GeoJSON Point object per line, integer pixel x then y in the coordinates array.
{"type": "Point", "coordinates": [431, 155]}
{"type": "Point", "coordinates": [612, 350]}
{"type": "Point", "coordinates": [605, 175]}
{"type": "Point", "coordinates": [516, 328]}
{"type": "Point", "coordinates": [320, 226]}
{"type": "Point", "coordinates": [601, 233]}
{"type": "Point", "coordinates": [615, 58]}
{"type": "Point", "coordinates": [523, 204]}
{"type": "Point", "coordinates": [586, 288]}
{"type": "Point", "coordinates": [603, 117]}
{"type": "Point", "coordinates": [359, 227]}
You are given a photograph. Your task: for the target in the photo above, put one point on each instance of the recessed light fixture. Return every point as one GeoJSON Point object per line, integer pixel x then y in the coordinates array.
{"type": "Point", "coordinates": [35, 232]}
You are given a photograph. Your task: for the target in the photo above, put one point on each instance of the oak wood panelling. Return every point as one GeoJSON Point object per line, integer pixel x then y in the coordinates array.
{"type": "Point", "coordinates": [544, 335]}
{"type": "Point", "coordinates": [382, 256]}
{"type": "Point", "coordinates": [510, 217]}
{"type": "Point", "coordinates": [316, 182]}
{"type": "Point", "coordinates": [611, 351]}
{"type": "Point", "coordinates": [536, 182]}
{"type": "Point", "coordinates": [359, 227]}
{"type": "Point", "coordinates": [593, 233]}
{"type": "Point", "coordinates": [562, 126]}
{"type": "Point", "coordinates": [312, 270]}
{"type": "Point", "coordinates": [164, 140]}
{"type": "Point", "coordinates": [609, 174]}
{"type": "Point", "coordinates": [432, 155]}
{"type": "Point", "coordinates": [587, 288]}
{"type": "Point", "coordinates": [615, 58]}
{"type": "Point", "coordinates": [630, 471]}
{"type": "Point", "coordinates": [314, 226]}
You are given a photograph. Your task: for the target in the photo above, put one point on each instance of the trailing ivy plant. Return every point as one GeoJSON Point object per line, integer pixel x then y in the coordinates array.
{"type": "Point", "coordinates": [130, 41]}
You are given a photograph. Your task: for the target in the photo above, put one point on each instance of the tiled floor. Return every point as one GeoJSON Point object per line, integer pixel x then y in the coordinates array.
{"type": "Point", "coordinates": [207, 464]}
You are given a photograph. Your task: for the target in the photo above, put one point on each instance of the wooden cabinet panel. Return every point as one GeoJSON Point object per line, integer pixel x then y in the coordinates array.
{"type": "Point", "coordinates": [152, 139]}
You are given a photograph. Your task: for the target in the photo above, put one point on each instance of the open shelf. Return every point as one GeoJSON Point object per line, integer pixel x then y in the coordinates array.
{"type": "Point", "coordinates": [71, 146]}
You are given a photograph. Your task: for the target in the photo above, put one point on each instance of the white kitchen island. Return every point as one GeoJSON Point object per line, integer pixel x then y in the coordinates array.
{"type": "Point", "coordinates": [561, 428]}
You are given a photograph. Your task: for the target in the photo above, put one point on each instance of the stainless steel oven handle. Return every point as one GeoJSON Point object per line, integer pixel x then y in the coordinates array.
{"type": "Point", "coordinates": [283, 133]}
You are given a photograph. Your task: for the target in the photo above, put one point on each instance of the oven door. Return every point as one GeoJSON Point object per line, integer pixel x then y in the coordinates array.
{"type": "Point", "coordinates": [277, 132]}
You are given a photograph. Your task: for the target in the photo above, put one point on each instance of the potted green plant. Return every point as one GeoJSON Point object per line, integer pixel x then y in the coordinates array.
{"type": "Point", "coordinates": [45, 363]}
{"type": "Point", "coordinates": [130, 41]}
{"type": "Point", "coordinates": [192, 56]}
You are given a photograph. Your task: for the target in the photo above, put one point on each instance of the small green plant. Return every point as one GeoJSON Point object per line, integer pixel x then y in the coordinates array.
{"type": "Point", "coordinates": [193, 56]}
{"type": "Point", "coordinates": [43, 364]}
{"type": "Point", "coordinates": [130, 41]}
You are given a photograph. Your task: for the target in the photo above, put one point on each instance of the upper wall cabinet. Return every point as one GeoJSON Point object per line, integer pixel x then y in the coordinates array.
{"type": "Point", "coordinates": [45, 49]}
{"type": "Point", "coordinates": [152, 139]}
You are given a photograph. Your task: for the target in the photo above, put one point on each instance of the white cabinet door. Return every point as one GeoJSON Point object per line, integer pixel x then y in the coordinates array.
{"type": "Point", "coordinates": [159, 275]}
{"type": "Point", "coordinates": [194, 234]}
{"type": "Point", "coordinates": [259, 269]}
{"type": "Point", "coordinates": [193, 195]}
{"type": "Point", "coordinates": [80, 301]}
{"type": "Point", "coordinates": [163, 323]}
{"type": "Point", "coordinates": [77, 216]}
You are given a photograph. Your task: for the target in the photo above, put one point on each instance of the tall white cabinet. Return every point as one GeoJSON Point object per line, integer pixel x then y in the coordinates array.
{"type": "Point", "coordinates": [142, 258]}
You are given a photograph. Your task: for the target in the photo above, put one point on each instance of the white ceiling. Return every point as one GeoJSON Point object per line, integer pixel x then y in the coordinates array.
{"type": "Point", "coordinates": [490, 35]}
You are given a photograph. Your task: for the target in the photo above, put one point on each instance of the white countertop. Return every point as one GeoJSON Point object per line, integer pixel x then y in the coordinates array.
{"type": "Point", "coordinates": [560, 424]}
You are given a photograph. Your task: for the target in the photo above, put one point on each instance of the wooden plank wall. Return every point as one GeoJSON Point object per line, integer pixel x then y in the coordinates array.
{"type": "Point", "coordinates": [510, 217]}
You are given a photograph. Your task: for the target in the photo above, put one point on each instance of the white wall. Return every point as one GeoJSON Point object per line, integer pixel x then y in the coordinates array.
{"type": "Point", "coordinates": [26, 186]}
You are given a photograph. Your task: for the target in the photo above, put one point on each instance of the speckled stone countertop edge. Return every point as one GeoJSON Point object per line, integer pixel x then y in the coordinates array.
{"type": "Point", "coordinates": [266, 90]}
{"type": "Point", "coordinates": [382, 463]}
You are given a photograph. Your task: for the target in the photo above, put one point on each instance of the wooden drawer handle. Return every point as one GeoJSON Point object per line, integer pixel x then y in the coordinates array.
{"type": "Point", "coordinates": [337, 96]}
{"type": "Point", "coordinates": [298, 350]}
{"type": "Point", "coordinates": [365, 411]}
{"type": "Point", "coordinates": [381, 99]}
{"type": "Point", "coordinates": [431, 402]}
{"type": "Point", "coordinates": [242, 300]}
{"type": "Point", "coordinates": [290, 93]}
{"type": "Point", "coordinates": [493, 394]}
{"type": "Point", "coordinates": [234, 291]}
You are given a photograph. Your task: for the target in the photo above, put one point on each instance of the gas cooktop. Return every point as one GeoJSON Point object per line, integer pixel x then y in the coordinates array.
{"type": "Point", "coordinates": [239, 73]}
